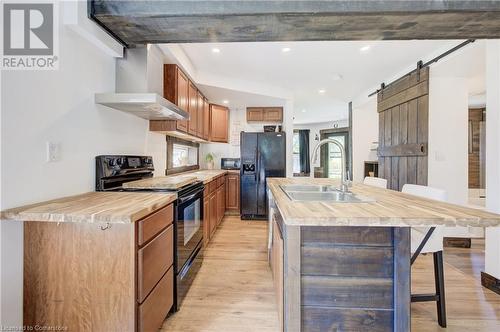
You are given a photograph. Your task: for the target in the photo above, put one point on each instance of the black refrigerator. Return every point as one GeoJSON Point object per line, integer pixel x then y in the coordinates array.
{"type": "Point", "coordinates": [263, 155]}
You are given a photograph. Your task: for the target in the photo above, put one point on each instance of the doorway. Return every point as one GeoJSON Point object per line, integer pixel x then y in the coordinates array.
{"type": "Point", "coordinates": [331, 161]}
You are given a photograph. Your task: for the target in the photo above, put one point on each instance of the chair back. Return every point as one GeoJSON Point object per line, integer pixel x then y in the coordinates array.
{"type": "Point", "coordinates": [375, 182]}
{"type": "Point", "coordinates": [435, 242]}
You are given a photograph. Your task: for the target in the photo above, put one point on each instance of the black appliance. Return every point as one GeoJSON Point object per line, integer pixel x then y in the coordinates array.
{"type": "Point", "coordinates": [263, 155]}
{"type": "Point", "coordinates": [112, 171]}
{"type": "Point", "coordinates": [230, 163]}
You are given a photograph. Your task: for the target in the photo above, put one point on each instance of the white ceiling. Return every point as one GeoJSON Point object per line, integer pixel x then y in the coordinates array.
{"type": "Point", "coordinates": [309, 67]}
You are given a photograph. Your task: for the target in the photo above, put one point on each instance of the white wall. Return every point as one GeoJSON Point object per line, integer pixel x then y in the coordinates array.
{"type": "Point", "coordinates": [58, 106]}
{"type": "Point", "coordinates": [364, 133]}
{"type": "Point", "coordinates": [448, 136]}
{"type": "Point", "coordinates": [492, 259]}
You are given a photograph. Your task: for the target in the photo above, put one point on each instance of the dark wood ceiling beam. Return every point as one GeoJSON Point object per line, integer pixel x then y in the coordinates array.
{"type": "Point", "coordinates": [141, 22]}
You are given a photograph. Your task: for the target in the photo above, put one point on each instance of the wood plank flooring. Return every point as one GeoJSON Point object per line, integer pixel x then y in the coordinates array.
{"type": "Point", "coordinates": [234, 290]}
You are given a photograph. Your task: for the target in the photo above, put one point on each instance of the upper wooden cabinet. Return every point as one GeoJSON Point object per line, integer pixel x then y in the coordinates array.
{"type": "Point", "coordinates": [193, 109]}
{"type": "Point", "coordinates": [200, 115]}
{"type": "Point", "coordinates": [264, 114]}
{"type": "Point", "coordinates": [219, 123]}
{"type": "Point", "coordinates": [204, 123]}
{"type": "Point", "coordinates": [176, 89]}
{"type": "Point", "coordinates": [206, 119]}
{"type": "Point", "coordinates": [255, 114]}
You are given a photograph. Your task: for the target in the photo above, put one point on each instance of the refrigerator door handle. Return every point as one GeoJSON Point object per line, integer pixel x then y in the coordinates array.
{"type": "Point", "coordinates": [256, 164]}
{"type": "Point", "coordinates": [257, 168]}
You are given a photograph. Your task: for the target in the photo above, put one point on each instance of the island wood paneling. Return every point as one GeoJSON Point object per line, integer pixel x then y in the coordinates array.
{"type": "Point", "coordinates": [355, 278]}
{"type": "Point", "coordinates": [403, 110]}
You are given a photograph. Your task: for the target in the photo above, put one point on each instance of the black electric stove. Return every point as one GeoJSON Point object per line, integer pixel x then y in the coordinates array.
{"type": "Point", "coordinates": [112, 171]}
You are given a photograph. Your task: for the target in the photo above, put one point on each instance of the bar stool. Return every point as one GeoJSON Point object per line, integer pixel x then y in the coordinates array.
{"type": "Point", "coordinates": [375, 182]}
{"type": "Point", "coordinates": [429, 240]}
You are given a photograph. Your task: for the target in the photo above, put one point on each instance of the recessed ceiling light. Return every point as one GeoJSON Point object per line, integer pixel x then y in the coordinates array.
{"type": "Point", "coordinates": [225, 101]}
{"type": "Point", "coordinates": [286, 49]}
{"type": "Point", "coordinates": [321, 91]}
{"type": "Point", "coordinates": [365, 48]}
{"type": "Point", "coordinates": [303, 111]}
{"type": "Point", "coordinates": [215, 50]}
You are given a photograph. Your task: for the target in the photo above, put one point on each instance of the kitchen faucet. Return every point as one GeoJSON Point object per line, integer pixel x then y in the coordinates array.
{"type": "Point", "coordinates": [344, 184]}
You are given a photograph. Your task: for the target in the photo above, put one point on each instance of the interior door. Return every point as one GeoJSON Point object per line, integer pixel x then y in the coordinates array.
{"type": "Point", "coordinates": [270, 163]}
{"type": "Point", "coordinates": [403, 108]}
{"type": "Point", "coordinates": [331, 160]}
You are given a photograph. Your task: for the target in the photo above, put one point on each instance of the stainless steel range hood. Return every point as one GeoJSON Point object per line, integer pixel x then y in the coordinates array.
{"type": "Point", "coordinates": [139, 87]}
{"type": "Point", "coordinates": [150, 106]}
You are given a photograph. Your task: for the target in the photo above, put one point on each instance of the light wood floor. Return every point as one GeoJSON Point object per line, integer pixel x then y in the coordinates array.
{"type": "Point", "coordinates": [234, 292]}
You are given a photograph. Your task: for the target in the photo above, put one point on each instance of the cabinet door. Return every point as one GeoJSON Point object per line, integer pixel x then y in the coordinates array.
{"type": "Point", "coordinates": [255, 114]}
{"type": "Point", "coordinates": [193, 109]}
{"type": "Point", "coordinates": [220, 204]}
{"type": "Point", "coordinates": [277, 267]}
{"type": "Point", "coordinates": [200, 115]}
{"type": "Point", "coordinates": [219, 123]}
{"type": "Point", "coordinates": [206, 220]}
{"type": "Point", "coordinates": [206, 119]}
{"type": "Point", "coordinates": [182, 98]}
{"type": "Point", "coordinates": [233, 192]}
{"type": "Point", "coordinates": [213, 213]}
{"type": "Point", "coordinates": [273, 114]}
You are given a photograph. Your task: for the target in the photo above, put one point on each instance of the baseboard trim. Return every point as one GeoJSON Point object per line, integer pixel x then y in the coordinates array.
{"type": "Point", "coordinates": [490, 282]}
{"type": "Point", "coordinates": [457, 242]}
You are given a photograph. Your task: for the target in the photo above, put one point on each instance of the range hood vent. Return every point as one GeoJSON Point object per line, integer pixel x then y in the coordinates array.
{"type": "Point", "coordinates": [139, 87]}
{"type": "Point", "coordinates": [149, 106]}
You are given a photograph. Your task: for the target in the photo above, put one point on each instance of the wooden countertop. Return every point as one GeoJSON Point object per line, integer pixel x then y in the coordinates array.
{"type": "Point", "coordinates": [389, 208]}
{"type": "Point", "coordinates": [93, 207]}
{"type": "Point", "coordinates": [176, 181]}
{"type": "Point", "coordinates": [162, 182]}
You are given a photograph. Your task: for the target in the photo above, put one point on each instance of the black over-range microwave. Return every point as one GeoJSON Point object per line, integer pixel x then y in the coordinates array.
{"type": "Point", "coordinates": [230, 163]}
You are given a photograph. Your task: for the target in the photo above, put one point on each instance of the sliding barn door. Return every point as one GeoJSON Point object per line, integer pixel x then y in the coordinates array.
{"type": "Point", "coordinates": [403, 108]}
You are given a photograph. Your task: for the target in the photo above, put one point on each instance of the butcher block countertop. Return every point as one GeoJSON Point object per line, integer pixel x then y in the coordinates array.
{"type": "Point", "coordinates": [93, 207]}
{"type": "Point", "coordinates": [389, 208]}
{"type": "Point", "coordinates": [162, 182]}
{"type": "Point", "coordinates": [176, 181]}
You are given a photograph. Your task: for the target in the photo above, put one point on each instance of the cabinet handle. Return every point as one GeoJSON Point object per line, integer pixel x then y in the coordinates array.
{"type": "Point", "coordinates": [103, 228]}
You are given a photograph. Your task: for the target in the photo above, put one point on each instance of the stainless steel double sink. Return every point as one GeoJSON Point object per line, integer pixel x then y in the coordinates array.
{"type": "Point", "coordinates": [321, 193]}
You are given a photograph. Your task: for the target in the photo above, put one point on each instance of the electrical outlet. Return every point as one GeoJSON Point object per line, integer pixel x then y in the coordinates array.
{"type": "Point", "coordinates": [53, 152]}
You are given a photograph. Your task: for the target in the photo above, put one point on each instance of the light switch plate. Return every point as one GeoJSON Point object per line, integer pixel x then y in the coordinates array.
{"type": "Point", "coordinates": [53, 152]}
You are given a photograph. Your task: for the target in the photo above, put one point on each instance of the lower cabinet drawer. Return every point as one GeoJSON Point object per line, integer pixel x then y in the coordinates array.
{"type": "Point", "coordinates": [212, 186]}
{"type": "Point", "coordinates": [155, 308]}
{"type": "Point", "coordinates": [153, 260]}
{"type": "Point", "coordinates": [220, 181]}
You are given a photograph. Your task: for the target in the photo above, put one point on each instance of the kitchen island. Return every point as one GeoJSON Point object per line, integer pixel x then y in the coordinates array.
{"type": "Point", "coordinates": [99, 261]}
{"type": "Point", "coordinates": [346, 266]}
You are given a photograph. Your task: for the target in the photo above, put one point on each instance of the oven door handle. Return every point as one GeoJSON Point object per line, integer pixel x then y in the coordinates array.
{"type": "Point", "coordinates": [190, 197]}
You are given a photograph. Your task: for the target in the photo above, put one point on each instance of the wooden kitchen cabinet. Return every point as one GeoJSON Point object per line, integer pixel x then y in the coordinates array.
{"type": "Point", "coordinates": [130, 263]}
{"type": "Point", "coordinates": [273, 114]}
{"type": "Point", "coordinates": [233, 193]}
{"type": "Point", "coordinates": [265, 114]}
{"type": "Point", "coordinates": [206, 119]}
{"type": "Point", "coordinates": [213, 213]}
{"type": "Point", "coordinates": [219, 123]}
{"type": "Point", "coordinates": [193, 109]}
{"type": "Point", "coordinates": [200, 115]}
{"type": "Point", "coordinates": [255, 114]}
{"type": "Point", "coordinates": [176, 90]}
